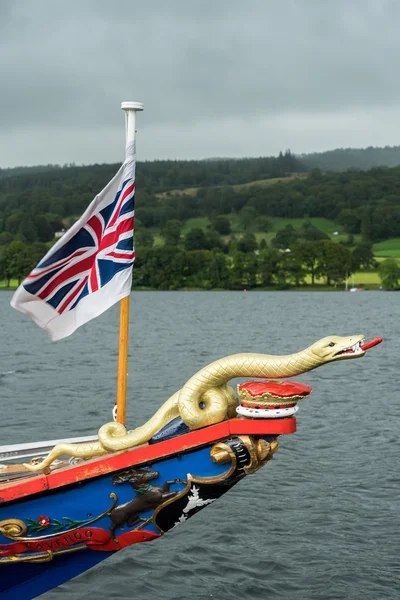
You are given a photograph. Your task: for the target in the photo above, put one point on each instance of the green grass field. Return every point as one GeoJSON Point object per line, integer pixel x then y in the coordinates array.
{"type": "Point", "coordinates": [388, 253]}
{"type": "Point", "coordinates": [191, 191]}
{"type": "Point", "coordinates": [13, 284]}
{"type": "Point", "coordinates": [158, 239]}
{"type": "Point", "coordinates": [369, 279]}
{"type": "Point", "coordinates": [268, 182]}
{"type": "Point", "coordinates": [388, 248]}
{"type": "Point", "coordinates": [197, 223]}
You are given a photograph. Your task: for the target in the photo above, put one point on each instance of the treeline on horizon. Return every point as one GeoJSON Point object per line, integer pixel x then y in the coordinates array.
{"type": "Point", "coordinates": [33, 207]}
{"type": "Point", "coordinates": [161, 175]}
{"type": "Point", "coordinates": [339, 159]}
{"type": "Point", "coordinates": [37, 204]}
{"type": "Point", "coordinates": [208, 260]}
{"type": "Point", "coordinates": [342, 159]}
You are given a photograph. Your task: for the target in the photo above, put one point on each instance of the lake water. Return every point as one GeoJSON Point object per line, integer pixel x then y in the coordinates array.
{"type": "Point", "coordinates": [320, 521]}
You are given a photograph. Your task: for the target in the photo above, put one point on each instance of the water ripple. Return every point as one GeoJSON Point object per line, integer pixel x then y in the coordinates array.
{"type": "Point", "coordinates": [319, 522]}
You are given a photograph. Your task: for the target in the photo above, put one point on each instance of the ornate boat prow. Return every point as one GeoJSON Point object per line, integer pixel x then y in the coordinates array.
{"type": "Point", "coordinates": [63, 517]}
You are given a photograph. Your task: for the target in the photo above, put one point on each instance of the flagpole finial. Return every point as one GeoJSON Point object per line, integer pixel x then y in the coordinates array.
{"type": "Point", "coordinates": [131, 109]}
{"type": "Point", "coordinates": [132, 105]}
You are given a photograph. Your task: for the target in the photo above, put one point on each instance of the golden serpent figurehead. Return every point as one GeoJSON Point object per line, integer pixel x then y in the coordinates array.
{"type": "Point", "coordinates": [206, 399]}
{"type": "Point", "coordinates": [221, 371]}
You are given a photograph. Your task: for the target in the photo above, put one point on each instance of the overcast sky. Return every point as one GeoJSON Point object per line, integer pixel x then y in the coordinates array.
{"type": "Point", "coordinates": [217, 77]}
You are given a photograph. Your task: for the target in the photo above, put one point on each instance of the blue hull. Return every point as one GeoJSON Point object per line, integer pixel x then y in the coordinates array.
{"type": "Point", "coordinates": [70, 529]}
{"type": "Point", "coordinates": [24, 581]}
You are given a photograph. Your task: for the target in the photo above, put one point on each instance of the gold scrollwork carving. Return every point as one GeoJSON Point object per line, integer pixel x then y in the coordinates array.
{"type": "Point", "coordinates": [39, 557]}
{"type": "Point", "coordinates": [220, 454]}
{"type": "Point", "coordinates": [14, 529]}
{"type": "Point", "coordinates": [260, 452]}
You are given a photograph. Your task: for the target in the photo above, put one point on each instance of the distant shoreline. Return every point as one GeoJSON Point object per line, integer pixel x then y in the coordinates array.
{"type": "Point", "coordinates": [310, 288]}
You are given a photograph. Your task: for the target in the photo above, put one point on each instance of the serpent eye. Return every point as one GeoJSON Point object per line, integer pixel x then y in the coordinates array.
{"type": "Point", "coordinates": [332, 344]}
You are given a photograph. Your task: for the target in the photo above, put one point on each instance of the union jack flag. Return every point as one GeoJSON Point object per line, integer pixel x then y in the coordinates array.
{"type": "Point", "coordinates": [90, 268]}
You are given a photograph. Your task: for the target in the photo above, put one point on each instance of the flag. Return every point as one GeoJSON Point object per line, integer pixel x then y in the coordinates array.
{"type": "Point", "coordinates": [90, 268]}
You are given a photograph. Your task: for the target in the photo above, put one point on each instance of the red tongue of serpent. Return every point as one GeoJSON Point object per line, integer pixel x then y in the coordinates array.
{"type": "Point", "coordinates": [371, 344]}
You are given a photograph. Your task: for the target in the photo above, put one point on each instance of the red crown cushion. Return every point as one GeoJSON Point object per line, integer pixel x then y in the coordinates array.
{"type": "Point", "coordinates": [279, 389]}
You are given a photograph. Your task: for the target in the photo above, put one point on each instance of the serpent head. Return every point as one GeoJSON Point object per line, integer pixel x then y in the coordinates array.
{"type": "Point", "coordinates": [336, 347]}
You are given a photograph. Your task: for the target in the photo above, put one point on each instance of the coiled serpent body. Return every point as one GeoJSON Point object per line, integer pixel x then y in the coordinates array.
{"type": "Point", "coordinates": [206, 398]}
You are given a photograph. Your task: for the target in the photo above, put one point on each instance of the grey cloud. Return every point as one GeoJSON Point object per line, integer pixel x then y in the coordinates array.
{"type": "Point", "coordinates": [65, 67]}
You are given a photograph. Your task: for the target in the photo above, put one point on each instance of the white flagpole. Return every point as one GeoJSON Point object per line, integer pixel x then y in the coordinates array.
{"type": "Point", "coordinates": [130, 109]}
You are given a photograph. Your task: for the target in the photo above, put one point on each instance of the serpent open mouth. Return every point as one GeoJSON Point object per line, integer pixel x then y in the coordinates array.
{"type": "Point", "coordinates": [360, 347]}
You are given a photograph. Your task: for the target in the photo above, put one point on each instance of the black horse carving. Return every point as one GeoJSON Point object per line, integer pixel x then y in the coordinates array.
{"type": "Point", "coordinates": [148, 496]}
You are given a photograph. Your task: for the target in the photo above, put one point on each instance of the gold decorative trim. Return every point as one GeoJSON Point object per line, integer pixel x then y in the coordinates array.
{"type": "Point", "coordinates": [12, 528]}
{"type": "Point", "coordinates": [214, 453]}
{"type": "Point", "coordinates": [40, 557]}
{"type": "Point", "coordinates": [260, 452]}
{"type": "Point", "coordinates": [170, 501]}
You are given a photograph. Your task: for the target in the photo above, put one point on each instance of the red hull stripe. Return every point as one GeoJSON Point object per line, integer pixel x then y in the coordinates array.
{"type": "Point", "coordinates": [103, 466]}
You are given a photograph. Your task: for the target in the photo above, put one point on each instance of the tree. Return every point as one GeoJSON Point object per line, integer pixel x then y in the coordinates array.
{"type": "Point", "coordinates": [389, 273]}
{"type": "Point", "coordinates": [291, 269]}
{"type": "Point", "coordinates": [268, 266]}
{"type": "Point", "coordinates": [36, 252]}
{"type": "Point", "coordinates": [196, 268]}
{"type": "Point", "coordinates": [172, 232]}
{"type": "Point", "coordinates": [237, 270]}
{"type": "Point", "coordinates": [3, 269]}
{"type": "Point", "coordinates": [27, 230]}
{"type": "Point", "coordinates": [250, 270]}
{"type": "Point", "coordinates": [55, 222]}
{"type": "Point", "coordinates": [262, 224]}
{"type": "Point", "coordinates": [285, 237]}
{"type": "Point", "coordinates": [43, 229]}
{"type": "Point", "coordinates": [366, 225]}
{"type": "Point", "coordinates": [309, 254]}
{"type": "Point", "coordinates": [247, 243]}
{"type": "Point", "coordinates": [335, 262]}
{"type": "Point", "coordinates": [222, 225]}
{"type": "Point", "coordinates": [13, 222]}
{"type": "Point", "coordinates": [215, 241]}
{"type": "Point", "coordinates": [6, 238]}
{"type": "Point", "coordinates": [161, 268]}
{"type": "Point", "coordinates": [350, 219]}
{"type": "Point", "coordinates": [16, 261]}
{"type": "Point", "coordinates": [263, 244]}
{"type": "Point", "coordinates": [312, 234]}
{"type": "Point", "coordinates": [143, 237]}
{"type": "Point", "coordinates": [146, 215]}
{"type": "Point", "coordinates": [219, 271]}
{"type": "Point", "coordinates": [363, 256]}
{"type": "Point", "coordinates": [248, 216]}
{"type": "Point", "coordinates": [196, 239]}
